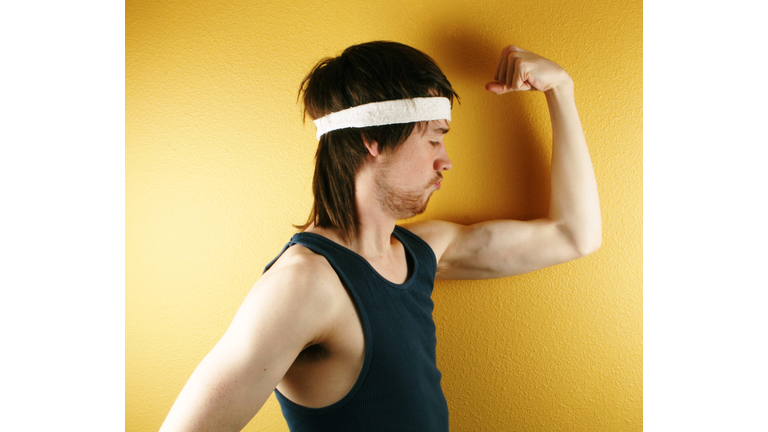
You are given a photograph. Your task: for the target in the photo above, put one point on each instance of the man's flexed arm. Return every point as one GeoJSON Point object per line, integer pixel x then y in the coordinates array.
{"type": "Point", "coordinates": [573, 227]}
{"type": "Point", "coordinates": [574, 204]}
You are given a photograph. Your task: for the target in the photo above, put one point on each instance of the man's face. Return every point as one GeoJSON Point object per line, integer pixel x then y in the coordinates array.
{"type": "Point", "coordinates": [407, 177]}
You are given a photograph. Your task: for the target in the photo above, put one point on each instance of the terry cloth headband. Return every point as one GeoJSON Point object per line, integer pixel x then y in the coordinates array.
{"type": "Point", "coordinates": [387, 112]}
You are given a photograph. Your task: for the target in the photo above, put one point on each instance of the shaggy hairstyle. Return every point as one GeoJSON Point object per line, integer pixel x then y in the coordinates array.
{"type": "Point", "coordinates": [370, 72]}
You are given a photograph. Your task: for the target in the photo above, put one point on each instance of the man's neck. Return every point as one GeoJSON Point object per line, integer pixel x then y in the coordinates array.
{"type": "Point", "coordinates": [374, 236]}
{"type": "Point", "coordinates": [373, 240]}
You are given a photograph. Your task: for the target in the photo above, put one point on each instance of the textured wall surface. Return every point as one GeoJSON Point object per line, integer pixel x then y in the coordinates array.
{"type": "Point", "coordinates": [219, 165]}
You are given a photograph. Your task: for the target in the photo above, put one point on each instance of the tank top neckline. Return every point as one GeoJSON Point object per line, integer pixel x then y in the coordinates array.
{"type": "Point", "coordinates": [410, 256]}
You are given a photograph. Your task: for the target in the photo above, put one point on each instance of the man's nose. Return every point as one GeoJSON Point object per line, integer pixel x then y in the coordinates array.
{"type": "Point", "coordinates": [443, 162]}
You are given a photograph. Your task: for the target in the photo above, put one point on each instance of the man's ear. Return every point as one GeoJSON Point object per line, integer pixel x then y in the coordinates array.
{"type": "Point", "coordinates": [372, 146]}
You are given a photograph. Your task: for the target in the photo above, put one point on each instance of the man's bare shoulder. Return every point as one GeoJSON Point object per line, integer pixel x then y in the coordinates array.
{"type": "Point", "coordinates": [301, 282]}
{"type": "Point", "coordinates": [297, 264]}
{"type": "Point", "coordinates": [431, 228]}
{"type": "Point", "coordinates": [438, 234]}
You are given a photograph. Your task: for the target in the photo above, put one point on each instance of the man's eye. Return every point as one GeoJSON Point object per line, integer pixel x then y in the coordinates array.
{"type": "Point", "coordinates": [434, 143]}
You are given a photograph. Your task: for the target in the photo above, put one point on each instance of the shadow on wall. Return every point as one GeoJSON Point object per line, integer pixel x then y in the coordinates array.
{"type": "Point", "coordinates": [504, 159]}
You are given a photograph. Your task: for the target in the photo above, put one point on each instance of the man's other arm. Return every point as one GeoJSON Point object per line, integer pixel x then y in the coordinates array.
{"type": "Point", "coordinates": [573, 227]}
{"type": "Point", "coordinates": [285, 312]}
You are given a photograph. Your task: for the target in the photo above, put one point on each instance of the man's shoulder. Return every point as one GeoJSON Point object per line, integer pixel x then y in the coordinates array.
{"type": "Point", "coordinates": [431, 228]}
{"type": "Point", "coordinates": [303, 274]}
{"type": "Point", "coordinates": [437, 234]}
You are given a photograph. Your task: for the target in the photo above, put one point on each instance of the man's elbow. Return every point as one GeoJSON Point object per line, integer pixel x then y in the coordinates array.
{"type": "Point", "coordinates": [581, 241]}
{"type": "Point", "coordinates": [588, 246]}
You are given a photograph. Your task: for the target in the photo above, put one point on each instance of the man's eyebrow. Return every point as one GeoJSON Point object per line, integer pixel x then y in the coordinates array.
{"type": "Point", "coordinates": [440, 130]}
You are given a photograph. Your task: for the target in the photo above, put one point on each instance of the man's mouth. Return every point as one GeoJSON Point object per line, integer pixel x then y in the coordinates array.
{"type": "Point", "coordinates": [438, 180]}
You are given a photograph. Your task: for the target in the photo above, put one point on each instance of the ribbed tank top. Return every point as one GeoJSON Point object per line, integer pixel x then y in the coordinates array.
{"type": "Point", "coordinates": [398, 388]}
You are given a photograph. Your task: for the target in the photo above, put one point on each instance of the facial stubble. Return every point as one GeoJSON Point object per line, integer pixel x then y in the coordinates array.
{"type": "Point", "coordinates": [400, 202]}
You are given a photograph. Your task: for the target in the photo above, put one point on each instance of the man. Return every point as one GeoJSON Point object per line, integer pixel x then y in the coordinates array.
{"type": "Point", "coordinates": [340, 324]}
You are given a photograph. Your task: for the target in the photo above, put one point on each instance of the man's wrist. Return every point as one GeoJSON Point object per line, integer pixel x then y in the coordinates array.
{"type": "Point", "coordinates": [564, 89]}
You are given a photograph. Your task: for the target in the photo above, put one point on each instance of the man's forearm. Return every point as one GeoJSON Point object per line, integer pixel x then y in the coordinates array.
{"type": "Point", "coordinates": [574, 203]}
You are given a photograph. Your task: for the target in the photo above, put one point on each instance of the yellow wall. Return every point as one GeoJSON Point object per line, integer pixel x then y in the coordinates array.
{"type": "Point", "coordinates": [218, 166]}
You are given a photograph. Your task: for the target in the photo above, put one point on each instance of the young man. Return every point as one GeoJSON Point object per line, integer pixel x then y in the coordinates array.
{"type": "Point", "coordinates": [340, 324]}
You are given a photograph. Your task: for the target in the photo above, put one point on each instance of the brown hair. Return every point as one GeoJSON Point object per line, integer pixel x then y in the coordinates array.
{"type": "Point", "coordinates": [365, 73]}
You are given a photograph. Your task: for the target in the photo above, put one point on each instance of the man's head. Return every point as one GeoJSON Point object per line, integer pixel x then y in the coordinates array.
{"type": "Point", "coordinates": [362, 74]}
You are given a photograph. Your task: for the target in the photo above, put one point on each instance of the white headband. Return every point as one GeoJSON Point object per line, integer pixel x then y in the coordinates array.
{"type": "Point", "coordinates": [387, 112]}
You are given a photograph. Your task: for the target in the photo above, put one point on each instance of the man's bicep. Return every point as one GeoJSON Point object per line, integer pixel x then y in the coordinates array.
{"type": "Point", "coordinates": [502, 248]}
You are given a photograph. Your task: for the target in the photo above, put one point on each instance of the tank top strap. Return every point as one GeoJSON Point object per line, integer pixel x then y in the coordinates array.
{"type": "Point", "coordinates": [422, 251]}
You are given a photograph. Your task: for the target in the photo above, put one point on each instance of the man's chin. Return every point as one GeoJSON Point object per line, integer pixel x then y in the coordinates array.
{"type": "Point", "coordinates": [409, 211]}
{"type": "Point", "coordinates": [422, 209]}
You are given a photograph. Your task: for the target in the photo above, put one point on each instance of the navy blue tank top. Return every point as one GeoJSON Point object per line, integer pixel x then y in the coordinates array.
{"type": "Point", "coordinates": [398, 388]}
